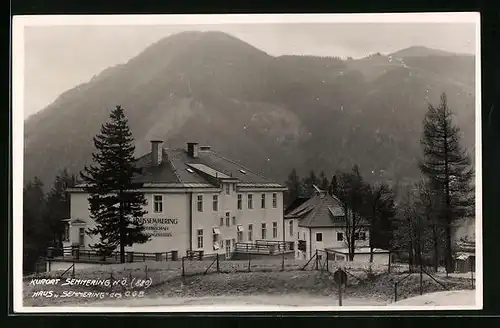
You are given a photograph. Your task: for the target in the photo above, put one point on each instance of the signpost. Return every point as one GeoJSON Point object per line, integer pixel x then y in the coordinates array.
{"type": "Point", "coordinates": [340, 277]}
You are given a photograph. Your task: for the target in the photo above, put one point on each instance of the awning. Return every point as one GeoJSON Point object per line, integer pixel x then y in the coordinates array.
{"type": "Point", "coordinates": [216, 231]}
{"type": "Point", "coordinates": [240, 228]}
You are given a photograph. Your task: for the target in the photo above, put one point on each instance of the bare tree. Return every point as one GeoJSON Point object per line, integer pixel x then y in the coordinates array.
{"type": "Point", "coordinates": [352, 192]}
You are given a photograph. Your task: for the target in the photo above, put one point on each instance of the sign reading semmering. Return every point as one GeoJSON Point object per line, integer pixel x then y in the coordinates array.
{"type": "Point", "coordinates": [156, 221]}
{"type": "Point", "coordinates": [157, 227]}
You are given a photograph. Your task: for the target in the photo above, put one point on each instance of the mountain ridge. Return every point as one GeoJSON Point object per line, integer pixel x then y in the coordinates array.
{"type": "Point", "coordinates": [279, 112]}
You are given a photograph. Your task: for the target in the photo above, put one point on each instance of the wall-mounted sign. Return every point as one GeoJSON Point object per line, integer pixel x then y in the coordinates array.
{"type": "Point", "coordinates": [158, 227]}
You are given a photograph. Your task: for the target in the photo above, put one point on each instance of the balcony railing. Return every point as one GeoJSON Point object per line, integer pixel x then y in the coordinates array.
{"type": "Point", "coordinates": [265, 247]}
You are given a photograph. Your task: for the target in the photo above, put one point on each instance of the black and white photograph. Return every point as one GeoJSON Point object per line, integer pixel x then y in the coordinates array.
{"type": "Point", "coordinates": [219, 163]}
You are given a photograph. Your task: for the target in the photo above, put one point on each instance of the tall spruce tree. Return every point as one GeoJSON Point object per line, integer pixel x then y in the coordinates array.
{"type": "Point", "coordinates": [446, 164]}
{"type": "Point", "coordinates": [115, 206]}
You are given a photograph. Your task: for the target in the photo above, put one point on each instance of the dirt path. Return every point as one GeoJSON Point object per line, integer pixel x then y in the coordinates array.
{"type": "Point", "coordinates": [287, 300]}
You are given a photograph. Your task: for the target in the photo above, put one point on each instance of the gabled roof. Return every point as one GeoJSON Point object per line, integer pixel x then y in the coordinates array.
{"type": "Point", "coordinates": [321, 210]}
{"type": "Point", "coordinates": [207, 169]}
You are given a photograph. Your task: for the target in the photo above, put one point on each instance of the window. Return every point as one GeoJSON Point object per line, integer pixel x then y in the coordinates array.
{"type": "Point", "coordinates": [250, 232]}
{"type": "Point", "coordinates": [275, 200]}
{"type": "Point", "coordinates": [227, 219]}
{"type": "Point", "coordinates": [66, 231]}
{"type": "Point", "coordinates": [200, 203]}
{"type": "Point", "coordinates": [234, 220]}
{"type": "Point", "coordinates": [234, 186]}
{"type": "Point", "coordinates": [234, 243]}
{"type": "Point", "coordinates": [81, 236]}
{"type": "Point", "coordinates": [319, 236]}
{"type": "Point", "coordinates": [340, 236]}
{"type": "Point", "coordinates": [290, 223]}
{"type": "Point", "coordinates": [250, 201]}
{"type": "Point", "coordinates": [221, 221]}
{"type": "Point", "coordinates": [200, 238]}
{"type": "Point", "coordinates": [215, 203]}
{"type": "Point", "coordinates": [240, 233]}
{"type": "Point", "coordinates": [263, 201]}
{"type": "Point", "coordinates": [263, 232]}
{"type": "Point", "coordinates": [228, 191]}
{"type": "Point", "coordinates": [240, 201]}
{"type": "Point", "coordinates": [275, 229]}
{"type": "Point", "coordinates": [215, 237]}
{"type": "Point", "coordinates": [356, 236]}
{"type": "Point", "coordinates": [362, 235]}
{"type": "Point", "coordinates": [157, 203]}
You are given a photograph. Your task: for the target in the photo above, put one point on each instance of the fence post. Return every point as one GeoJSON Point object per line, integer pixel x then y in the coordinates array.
{"type": "Point", "coordinates": [390, 260]}
{"type": "Point", "coordinates": [283, 260]}
{"type": "Point", "coordinates": [249, 257]}
{"type": "Point", "coordinates": [421, 281]}
{"type": "Point", "coordinates": [182, 260]}
{"type": "Point", "coordinates": [395, 292]}
{"type": "Point", "coordinates": [73, 271]}
{"type": "Point", "coordinates": [143, 257]}
{"type": "Point", "coordinates": [316, 255]}
{"type": "Point", "coordinates": [327, 262]}
{"type": "Point", "coordinates": [218, 270]}
{"type": "Point", "coordinates": [146, 271]}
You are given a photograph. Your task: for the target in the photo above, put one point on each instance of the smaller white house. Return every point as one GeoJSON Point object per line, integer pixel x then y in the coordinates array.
{"type": "Point", "coordinates": [319, 223]}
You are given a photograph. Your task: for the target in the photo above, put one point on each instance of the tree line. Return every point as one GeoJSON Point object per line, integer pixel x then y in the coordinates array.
{"type": "Point", "coordinates": [414, 221]}
{"type": "Point", "coordinates": [43, 215]}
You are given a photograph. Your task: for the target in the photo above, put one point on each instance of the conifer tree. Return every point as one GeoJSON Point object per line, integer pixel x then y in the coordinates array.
{"type": "Point", "coordinates": [323, 181]}
{"type": "Point", "coordinates": [309, 182]}
{"type": "Point", "coordinates": [334, 186]}
{"type": "Point", "coordinates": [115, 205]}
{"type": "Point", "coordinates": [294, 187]}
{"type": "Point", "coordinates": [35, 232]}
{"type": "Point", "coordinates": [58, 204]}
{"type": "Point", "coordinates": [446, 164]}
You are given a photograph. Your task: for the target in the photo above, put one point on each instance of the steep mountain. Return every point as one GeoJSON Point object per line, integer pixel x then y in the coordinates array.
{"type": "Point", "coordinates": [270, 113]}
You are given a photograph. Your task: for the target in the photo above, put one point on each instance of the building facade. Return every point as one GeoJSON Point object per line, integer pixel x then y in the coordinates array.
{"type": "Point", "coordinates": [197, 200]}
{"type": "Point", "coordinates": [319, 223]}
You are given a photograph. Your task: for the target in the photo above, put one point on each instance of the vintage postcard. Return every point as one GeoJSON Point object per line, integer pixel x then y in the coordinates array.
{"type": "Point", "coordinates": [215, 163]}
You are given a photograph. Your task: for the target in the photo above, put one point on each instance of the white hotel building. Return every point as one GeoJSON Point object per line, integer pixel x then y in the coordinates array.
{"type": "Point", "coordinates": [197, 201]}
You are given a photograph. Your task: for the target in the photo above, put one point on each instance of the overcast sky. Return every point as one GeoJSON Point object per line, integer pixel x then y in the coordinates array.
{"type": "Point", "coordinates": [58, 58]}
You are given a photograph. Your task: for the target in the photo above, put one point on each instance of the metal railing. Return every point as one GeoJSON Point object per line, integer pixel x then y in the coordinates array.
{"type": "Point", "coordinates": [90, 255]}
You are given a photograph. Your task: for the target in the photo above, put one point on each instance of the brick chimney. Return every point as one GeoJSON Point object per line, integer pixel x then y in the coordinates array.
{"type": "Point", "coordinates": [156, 152]}
{"type": "Point", "coordinates": [192, 149]}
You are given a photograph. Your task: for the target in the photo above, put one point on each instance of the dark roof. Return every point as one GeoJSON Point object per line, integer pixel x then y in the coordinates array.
{"type": "Point", "coordinates": [178, 167]}
{"type": "Point", "coordinates": [321, 210]}
{"type": "Point", "coordinates": [296, 203]}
